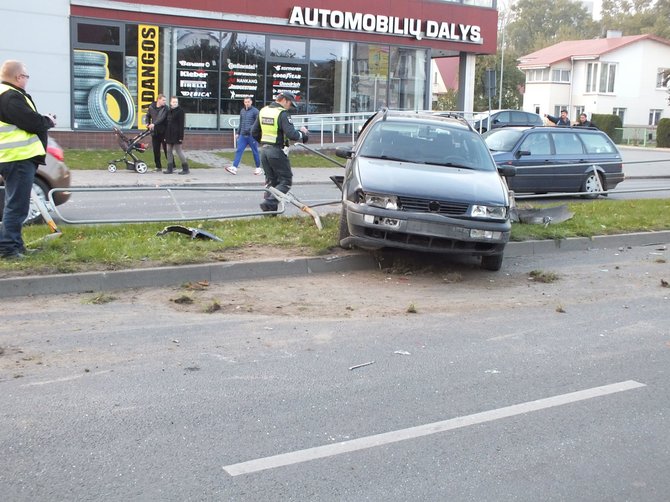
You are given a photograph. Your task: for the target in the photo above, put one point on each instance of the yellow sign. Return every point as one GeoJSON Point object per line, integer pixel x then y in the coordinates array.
{"type": "Point", "coordinates": [147, 68]}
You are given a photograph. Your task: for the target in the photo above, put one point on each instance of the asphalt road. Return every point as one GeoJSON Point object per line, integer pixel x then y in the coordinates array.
{"type": "Point", "coordinates": [420, 381]}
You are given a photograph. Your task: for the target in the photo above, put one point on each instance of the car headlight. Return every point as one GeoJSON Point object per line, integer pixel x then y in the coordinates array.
{"type": "Point", "coordinates": [496, 212]}
{"type": "Point", "coordinates": [382, 201]}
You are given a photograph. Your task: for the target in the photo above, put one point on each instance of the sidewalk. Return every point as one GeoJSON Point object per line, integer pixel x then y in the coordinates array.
{"type": "Point", "coordinates": [218, 176]}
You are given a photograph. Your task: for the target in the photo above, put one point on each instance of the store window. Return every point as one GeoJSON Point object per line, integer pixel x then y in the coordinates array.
{"type": "Point", "coordinates": [369, 81]}
{"type": "Point", "coordinates": [197, 75]}
{"type": "Point", "coordinates": [243, 74]}
{"type": "Point", "coordinates": [407, 78]}
{"type": "Point", "coordinates": [328, 82]}
{"type": "Point", "coordinates": [286, 70]}
{"type": "Point", "coordinates": [106, 90]}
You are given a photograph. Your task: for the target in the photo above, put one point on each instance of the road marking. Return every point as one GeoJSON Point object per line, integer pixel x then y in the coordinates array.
{"type": "Point", "coordinates": [65, 379]}
{"type": "Point", "coordinates": [309, 454]}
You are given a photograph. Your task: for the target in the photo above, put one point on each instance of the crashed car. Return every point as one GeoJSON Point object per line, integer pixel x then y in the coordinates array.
{"type": "Point", "coordinates": [423, 182]}
{"type": "Point", "coordinates": [54, 174]}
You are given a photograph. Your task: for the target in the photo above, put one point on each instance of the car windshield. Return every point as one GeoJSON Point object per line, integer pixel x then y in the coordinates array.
{"type": "Point", "coordinates": [427, 143]}
{"type": "Point", "coordinates": [502, 140]}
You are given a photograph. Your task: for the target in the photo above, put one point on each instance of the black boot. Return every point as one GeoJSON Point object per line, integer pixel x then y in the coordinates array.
{"type": "Point", "coordinates": [170, 169]}
{"type": "Point", "coordinates": [184, 169]}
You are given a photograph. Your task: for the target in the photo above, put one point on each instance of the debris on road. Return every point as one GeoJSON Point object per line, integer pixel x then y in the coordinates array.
{"type": "Point", "coordinates": [361, 365]}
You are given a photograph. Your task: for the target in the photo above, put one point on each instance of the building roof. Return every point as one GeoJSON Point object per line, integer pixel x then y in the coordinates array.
{"type": "Point", "coordinates": [580, 49]}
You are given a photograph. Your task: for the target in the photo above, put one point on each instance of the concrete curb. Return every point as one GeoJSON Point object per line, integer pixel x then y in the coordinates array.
{"type": "Point", "coordinates": [91, 282]}
{"type": "Point", "coordinates": [168, 276]}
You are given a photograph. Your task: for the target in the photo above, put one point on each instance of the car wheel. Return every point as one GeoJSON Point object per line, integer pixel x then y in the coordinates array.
{"type": "Point", "coordinates": [41, 190]}
{"type": "Point", "coordinates": [344, 227]}
{"type": "Point", "coordinates": [492, 262]}
{"type": "Point", "coordinates": [592, 183]}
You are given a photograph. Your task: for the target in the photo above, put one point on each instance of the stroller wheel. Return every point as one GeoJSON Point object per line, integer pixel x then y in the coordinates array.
{"type": "Point", "coordinates": [141, 167]}
{"type": "Point", "coordinates": [111, 168]}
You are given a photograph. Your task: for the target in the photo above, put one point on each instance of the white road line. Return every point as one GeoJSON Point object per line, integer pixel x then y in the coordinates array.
{"type": "Point", "coordinates": [309, 454]}
{"type": "Point", "coordinates": [65, 379]}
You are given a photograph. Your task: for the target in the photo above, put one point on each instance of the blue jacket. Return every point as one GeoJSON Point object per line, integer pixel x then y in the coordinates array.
{"type": "Point", "coordinates": [247, 119]}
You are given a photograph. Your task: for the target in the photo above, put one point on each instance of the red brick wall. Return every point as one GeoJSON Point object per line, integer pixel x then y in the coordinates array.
{"type": "Point", "coordinates": [106, 139]}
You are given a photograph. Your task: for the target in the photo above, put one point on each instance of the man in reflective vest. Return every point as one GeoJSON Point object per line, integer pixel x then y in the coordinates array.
{"type": "Point", "coordinates": [23, 139]}
{"type": "Point", "coordinates": [273, 129]}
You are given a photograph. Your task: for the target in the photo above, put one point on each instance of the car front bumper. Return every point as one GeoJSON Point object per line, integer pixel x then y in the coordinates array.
{"type": "Point", "coordinates": [375, 228]}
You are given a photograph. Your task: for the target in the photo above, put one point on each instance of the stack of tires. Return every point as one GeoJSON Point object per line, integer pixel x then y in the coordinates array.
{"type": "Point", "coordinates": [99, 102]}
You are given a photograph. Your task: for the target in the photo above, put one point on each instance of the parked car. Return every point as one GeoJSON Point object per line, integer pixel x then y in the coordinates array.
{"type": "Point", "coordinates": [426, 183]}
{"type": "Point", "coordinates": [557, 159]}
{"type": "Point", "coordinates": [504, 118]}
{"type": "Point", "coordinates": [55, 174]}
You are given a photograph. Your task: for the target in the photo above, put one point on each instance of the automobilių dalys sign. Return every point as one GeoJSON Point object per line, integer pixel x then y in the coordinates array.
{"type": "Point", "coordinates": [391, 25]}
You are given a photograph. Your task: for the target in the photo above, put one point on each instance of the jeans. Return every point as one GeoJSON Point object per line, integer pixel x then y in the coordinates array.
{"type": "Point", "coordinates": [278, 173]}
{"type": "Point", "coordinates": [19, 176]}
{"type": "Point", "coordinates": [158, 142]}
{"type": "Point", "coordinates": [242, 142]}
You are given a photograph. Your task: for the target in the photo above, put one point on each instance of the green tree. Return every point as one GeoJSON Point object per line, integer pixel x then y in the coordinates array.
{"type": "Point", "coordinates": [540, 23]}
{"type": "Point", "coordinates": [512, 82]}
{"type": "Point", "coordinates": [637, 17]}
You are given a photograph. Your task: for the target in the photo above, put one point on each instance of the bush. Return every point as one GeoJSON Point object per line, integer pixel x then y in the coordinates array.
{"type": "Point", "coordinates": [610, 125]}
{"type": "Point", "coordinates": [663, 133]}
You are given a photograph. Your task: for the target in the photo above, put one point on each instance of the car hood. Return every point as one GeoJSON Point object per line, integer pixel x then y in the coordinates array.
{"type": "Point", "coordinates": [430, 182]}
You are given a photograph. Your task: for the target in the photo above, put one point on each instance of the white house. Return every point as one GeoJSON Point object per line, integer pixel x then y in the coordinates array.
{"type": "Point", "coordinates": [619, 75]}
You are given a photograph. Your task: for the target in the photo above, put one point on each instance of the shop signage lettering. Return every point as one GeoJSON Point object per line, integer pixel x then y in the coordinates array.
{"type": "Point", "coordinates": [147, 67]}
{"type": "Point", "coordinates": [242, 80]}
{"type": "Point", "coordinates": [357, 21]}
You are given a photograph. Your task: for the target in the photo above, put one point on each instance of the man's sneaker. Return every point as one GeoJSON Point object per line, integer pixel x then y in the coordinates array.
{"type": "Point", "coordinates": [258, 171]}
{"type": "Point", "coordinates": [231, 169]}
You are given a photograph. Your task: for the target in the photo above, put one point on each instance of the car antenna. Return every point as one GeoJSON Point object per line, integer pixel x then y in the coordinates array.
{"type": "Point", "coordinates": [384, 111]}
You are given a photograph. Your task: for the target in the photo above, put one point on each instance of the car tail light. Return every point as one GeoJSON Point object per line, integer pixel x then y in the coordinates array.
{"type": "Point", "coordinates": [56, 152]}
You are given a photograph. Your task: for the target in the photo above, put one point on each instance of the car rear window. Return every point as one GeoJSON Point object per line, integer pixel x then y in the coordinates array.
{"type": "Point", "coordinates": [598, 143]}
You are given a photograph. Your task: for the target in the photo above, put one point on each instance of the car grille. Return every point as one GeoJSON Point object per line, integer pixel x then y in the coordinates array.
{"type": "Point", "coordinates": [433, 206]}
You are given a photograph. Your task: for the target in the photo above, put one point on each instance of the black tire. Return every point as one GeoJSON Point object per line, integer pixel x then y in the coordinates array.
{"type": "Point", "coordinates": [89, 57]}
{"type": "Point", "coordinates": [343, 232]}
{"type": "Point", "coordinates": [81, 98]}
{"type": "Point", "coordinates": [84, 124]}
{"type": "Point", "coordinates": [86, 83]}
{"type": "Point", "coordinates": [90, 71]}
{"type": "Point", "coordinates": [492, 262]}
{"type": "Point", "coordinates": [591, 185]}
{"type": "Point", "coordinates": [81, 111]}
{"type": "Point", "coordinates": [97, 105]}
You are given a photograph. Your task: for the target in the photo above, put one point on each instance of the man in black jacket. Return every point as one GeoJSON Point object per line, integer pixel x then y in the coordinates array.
{"type": "Point", "coordinates": [273, 129]}
{"type": "Point", "coordinates": [23, 140]}
{"type": "Point", "coordinates": [156, 120]}
{"type": "Point", "coordinates": [584, 122]}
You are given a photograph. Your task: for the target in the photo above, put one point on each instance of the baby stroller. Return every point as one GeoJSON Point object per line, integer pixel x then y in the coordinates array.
{"type": "Point", "coordinates": [129, 146]}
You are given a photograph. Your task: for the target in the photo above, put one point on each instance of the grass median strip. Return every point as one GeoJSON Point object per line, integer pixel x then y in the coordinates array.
{"type": "Point", "coordinates": [125, 246]}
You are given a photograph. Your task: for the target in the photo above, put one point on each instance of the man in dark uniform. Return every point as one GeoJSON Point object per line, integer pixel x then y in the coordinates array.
{"type": "Point", "coordinates": [273, 129]}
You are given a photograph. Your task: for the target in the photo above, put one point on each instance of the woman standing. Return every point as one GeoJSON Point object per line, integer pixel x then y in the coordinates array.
{"type": "Point", "coordinates": [174, 136]}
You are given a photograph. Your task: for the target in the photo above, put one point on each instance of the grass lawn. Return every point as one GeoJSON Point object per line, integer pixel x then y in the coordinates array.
{"type": "Point", "coordinates": [112, 247]}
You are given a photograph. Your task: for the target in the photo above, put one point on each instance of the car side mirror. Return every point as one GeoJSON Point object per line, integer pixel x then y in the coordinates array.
{"type": "Point", "coordinates": [344, 152]}
{"type": "Point", "coordinates": [521, 153]}
{"type": "Point", "coordinates": [507, 170]}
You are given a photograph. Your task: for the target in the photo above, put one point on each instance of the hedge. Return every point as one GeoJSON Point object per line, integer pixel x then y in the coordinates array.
{"type": "Point", "coordinates": [663, 133]}
{"type": "Point", "coordinates": [610, 125]}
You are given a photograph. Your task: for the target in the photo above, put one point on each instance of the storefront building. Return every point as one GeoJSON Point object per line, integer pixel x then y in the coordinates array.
{"type": "Point", "coordinates": [335, 56]}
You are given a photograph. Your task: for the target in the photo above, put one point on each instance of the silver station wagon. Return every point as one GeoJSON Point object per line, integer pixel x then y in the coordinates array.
{"type": "Point", "coordinates": [425, 183]}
